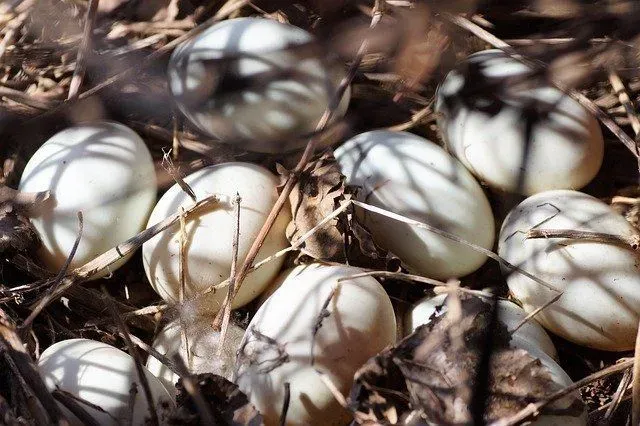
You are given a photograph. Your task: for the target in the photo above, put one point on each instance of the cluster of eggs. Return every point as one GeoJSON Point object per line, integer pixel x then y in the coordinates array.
{"type": "Point", "coordinates": [264, 85]}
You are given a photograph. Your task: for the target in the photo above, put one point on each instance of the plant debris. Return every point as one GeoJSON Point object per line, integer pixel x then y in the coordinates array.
{"type": "Point", "coordinates": [318, 192]}
{"type": "Point", "coordinates": [431, 374]}
{"type": "Point", "coordinates": [230, 407]}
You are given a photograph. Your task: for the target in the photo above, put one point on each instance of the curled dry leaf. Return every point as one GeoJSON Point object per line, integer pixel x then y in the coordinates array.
{"type": "Point", "coordinates": [228, 405]}
{"type": "Point", "coordinates": [430, 375]}
{"type": "Point", "coordinates": [316, 195]}
{"type": "Point", "coordinates": [16, 232]}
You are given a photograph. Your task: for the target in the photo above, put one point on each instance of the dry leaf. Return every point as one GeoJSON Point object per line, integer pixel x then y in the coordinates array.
{"type": "Point", "coordinates": [430, 375]}
{"type": "Point", "coordinates": [228, 405]}
{"type": "Point", "coordinates": [318, 192]}
{"type": "Point", "coordinates": [17, 234]}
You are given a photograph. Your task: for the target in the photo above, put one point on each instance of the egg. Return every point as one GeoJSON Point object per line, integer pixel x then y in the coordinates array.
{"type": "Point", "coordinates": [600, 305]}
{"type": "Point", "coordinates": [210, 233]}
{"type": "Point", "coordinates": [530, 337]}
{"type": "Point", "coordinates": [360, 322]}
{"type": "Point", "coordinates": [101, 375]}
{"type": "Point", "coordinates": [516, 137]}
{"type": "Point", "coordinates": [101, 169]}
{"type": "Point", "coordinates": [415, 178]}
{"type": "Point", "coordinates": [254, 82]}
{"type": "Point", "coordinates": [202, 354]}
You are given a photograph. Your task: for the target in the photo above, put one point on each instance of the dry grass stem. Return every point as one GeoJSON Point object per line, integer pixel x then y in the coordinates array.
{"type": "Point", "coordinates": [142, 378]}
{"type": "Point", "coordinates": [84, 50]}
{"type": "Point", "coordinates": [631, 242]}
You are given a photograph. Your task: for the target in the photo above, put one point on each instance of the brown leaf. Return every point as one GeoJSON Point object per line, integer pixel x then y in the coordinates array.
{"type": "Point", "coordinates": [430, 375]}
{"type": "Point", "coordinates": [318, 192]}
{"type": "Point", "coordinates": [228, 405]}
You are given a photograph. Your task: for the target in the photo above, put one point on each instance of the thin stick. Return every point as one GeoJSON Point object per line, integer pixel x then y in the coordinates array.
{"type": "Point", "coordinates": [142, 378]}
{"type": "Point", "coordinates": [333, 389]}
{"type": "Point", "coordinates": [111, 256]}
{"type": "Point", "coordinates": [625, 101]}
{"type": "Point", "coordinates": [483, 34]}
{"type": "Point", "coordinates": [183, 280]}
{"type": "Point", "coordinates": [628, 241]}
{"type": "Point", "coordinates": [224, 327]}
{"type": "Point", "coordinates": [535, 312]}
{"type": "Point", "coordinates": [285, 404]}
{"type": "Point", "coordinates": [533, 410]}
{"type": "Point", "coordinates": [72, 405]}
{"type": "Point", "coordinates": [306, 156]}
{"type": "Point", "coordinates": [617, 397]}
{"type": "Point", "coordinates": [635, 393]}
{"type": "Point", "coordinates": [57, 280]}
{"type": "Point", "coordinates": [83, 50]}
{"type": "Point", "coordinates": [317, 324]}
{"type": "Point", "coordinates": [455, 238]}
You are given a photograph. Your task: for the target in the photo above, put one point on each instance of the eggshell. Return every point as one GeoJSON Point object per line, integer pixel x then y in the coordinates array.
{"type": "Point", "coordinates": [210, 233]}
{"type": "Point", "coordinates": [202, 356]}
{"type": "Point", "coordinates": [530, 337]}
{"type": "Point", "coordinates": [255, 82]}
{"type": "Point", "coordinates": [600, 307]}
{"type": "Point", "coordinates": [102, 375]}
{"type": "Point", "coordinates": [415, 178]}
{"type": "Point", "coordinates": [518, 137]}
{"type": "Point", "coordinates": [102, 169]}
{"type": "Point", "coordinates": [360, 324]}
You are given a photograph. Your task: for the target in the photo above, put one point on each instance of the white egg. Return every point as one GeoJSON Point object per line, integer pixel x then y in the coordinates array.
{"type": "Point", "coordinates": [360, 323]}
{"type": "Point", "coordinates": [102, 375]}
{"type": "Point", "coordinates": [254, 82]}
{"type": "Point", "coordinates": [209, 249]}
{"type": "Point", "coordinates": [202, 354]}
{"type": "Point", "coordinates": [492, 129]}
{"type": "Point", "coordinates": [600, 307]}
{"type": "Point", "coordinates": [105, 171]}
{"type": "Point", "coordinates": [415, 178]}
{"type": "Point", "coordinates": [530, 337]}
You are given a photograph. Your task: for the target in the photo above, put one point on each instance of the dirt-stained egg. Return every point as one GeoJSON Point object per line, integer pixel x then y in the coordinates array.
{"type": "Point", "coordinates": [104, 376]}
{"type": "Point", "coordinates": [599, 281]}
{"type": "Point", "coordinates": [417, 179]}
{"type": "Point", "coordinates": [281, 346]}
{"type": "Point", "coordinates": [199, 353]}
{"type": "Point", "coordinates": [209, 236]}
{"type": "Point", "coordinates": [105, 171]}
{"type": "Point", "coordinates": [513, 131]}
{"type": "Point", "coordinates": [257, 83]}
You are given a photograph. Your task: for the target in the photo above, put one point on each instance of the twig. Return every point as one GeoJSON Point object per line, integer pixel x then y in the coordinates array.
{"type": "Point", "coordinates": [635, 393]}
{"type": "Point", "coordinates": [533, 409]}
{"type": "Point", "coordinates": [535, 312]}
{"type": "Point", "coordinates": [57, 280]}
{"type": "Point", "coordinates": [306, 156]}
{"type": "Point", "coordinates": [617, 397]}
{"type": "Point", "coordinates": [224, 327]}
{"type": "Point", "coordinates": [317, 324]}
{"type": "Point", "coordinates": [167, 164]}
{"type": "Point", "coordinates": [285, 404]}
{"type": "Point", "coordinates": [183, 282]}
{"type": "Point", "coordinates": [96, 265]}
{"type": "Point", "coordinates": [625, 101]}
{"type": "Point", "coordinates": [337, 395]}
{"type": "Point", "coordinates": [75, 408]}
{"type": "Point", "coordinates": [136, 357]}
{"type": "Point", "coordinates": [454, 238]}
{"type": "Point", "coordinates": [627, 241]}
{"type": "Point", "coordinates": [83, 50]}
